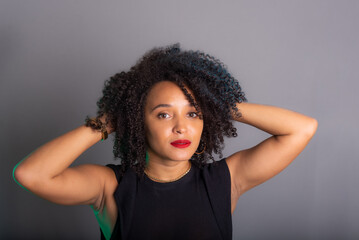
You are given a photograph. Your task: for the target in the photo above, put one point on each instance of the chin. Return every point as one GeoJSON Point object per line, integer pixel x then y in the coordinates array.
{"type": "Point", "coordinates": [182, 157]}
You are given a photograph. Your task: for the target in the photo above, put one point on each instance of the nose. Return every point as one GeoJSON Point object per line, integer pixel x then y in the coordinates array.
{"type": "Point", "coordinates": [180, 126]}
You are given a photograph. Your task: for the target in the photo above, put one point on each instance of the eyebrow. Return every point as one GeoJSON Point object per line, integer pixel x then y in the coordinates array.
{"type": "Point", "coordinates": [166, 106]}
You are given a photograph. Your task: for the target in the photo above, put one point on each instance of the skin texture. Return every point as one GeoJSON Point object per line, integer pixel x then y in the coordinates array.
{"type": "Point", "coordinates": [124, 95]}
{"type": "Point", "coordinates": [173, 118]}
{"type": "Point", "coordinates": [291, 132]}
{"type": "Point", "coordinates": [46, 171]}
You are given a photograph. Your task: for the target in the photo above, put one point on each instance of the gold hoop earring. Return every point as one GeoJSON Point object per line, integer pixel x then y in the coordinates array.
{"type": "Point", "coordinates": [204, 148]}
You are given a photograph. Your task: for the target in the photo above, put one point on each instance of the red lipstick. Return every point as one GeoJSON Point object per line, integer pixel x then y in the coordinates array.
{"type": "Point", "coordinates": [181, 143]}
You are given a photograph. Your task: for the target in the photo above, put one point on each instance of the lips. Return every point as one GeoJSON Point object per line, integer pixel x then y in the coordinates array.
{"type": "Point", "coordinates": [181, 143]}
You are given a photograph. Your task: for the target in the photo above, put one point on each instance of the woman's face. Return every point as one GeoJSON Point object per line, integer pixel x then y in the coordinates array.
{"type": "Point", "coordinates": [173, 127]}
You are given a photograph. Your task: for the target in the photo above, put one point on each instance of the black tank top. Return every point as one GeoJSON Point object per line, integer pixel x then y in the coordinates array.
{"type": "Point", "coordinates": [197, 206]}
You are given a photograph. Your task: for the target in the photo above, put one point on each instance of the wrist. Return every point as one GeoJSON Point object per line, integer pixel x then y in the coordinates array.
{"type": "Point", "coordinates": [98, 125]}
{"type": "Point", "coordinates": [238, 115]}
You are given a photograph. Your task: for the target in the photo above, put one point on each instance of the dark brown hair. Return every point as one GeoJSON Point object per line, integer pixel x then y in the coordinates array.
{"type": "Point", "coordinates": [124, 95]}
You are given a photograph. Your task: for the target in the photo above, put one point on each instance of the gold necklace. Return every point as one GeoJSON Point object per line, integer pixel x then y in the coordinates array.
{"type": "Point", "coordinates": [171, 180]}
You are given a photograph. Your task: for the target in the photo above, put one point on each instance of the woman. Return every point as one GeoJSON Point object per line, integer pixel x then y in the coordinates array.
{"type": "Point", "coordinates": [169, 113]}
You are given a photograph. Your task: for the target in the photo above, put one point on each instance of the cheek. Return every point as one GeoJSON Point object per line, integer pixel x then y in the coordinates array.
{"type": "Point", "coordinates": [198, 129]}
{"type": "Point", "coordinates": [157, 132]}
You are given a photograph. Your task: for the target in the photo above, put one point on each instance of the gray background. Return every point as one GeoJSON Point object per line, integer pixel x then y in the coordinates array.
{"type": "Point", "coordinates": [300, 55]}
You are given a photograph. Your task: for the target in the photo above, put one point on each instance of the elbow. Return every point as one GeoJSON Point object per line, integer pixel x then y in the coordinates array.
{"type": "Point", "coordinates": [17, 174]}
{"type": "Point", "coordinates": [311, 127]}
{"type": "Point", "coordinates": [20, 176]}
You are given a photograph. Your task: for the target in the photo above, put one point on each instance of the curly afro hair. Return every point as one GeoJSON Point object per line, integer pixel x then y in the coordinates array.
{"type": "Point", "coordinates": [216, 93]}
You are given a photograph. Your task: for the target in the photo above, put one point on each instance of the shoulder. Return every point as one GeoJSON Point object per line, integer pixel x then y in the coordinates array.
{"type": "Point", "coordinates": [219, 166]}
{"type": "Point", "coordinates": [115, 177]}
{"type": "Point", "coordinates": [108, 174]}
{"type": "Point", "coordinates": [217, 172]}
{"type": "Point", "coordinates": [112, 177]}
{"type": "Point", "coordinates": [217, 179]}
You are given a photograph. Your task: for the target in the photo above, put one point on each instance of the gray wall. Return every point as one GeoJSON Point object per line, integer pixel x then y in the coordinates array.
{"type": "Point", "coordinates": [300, 55]}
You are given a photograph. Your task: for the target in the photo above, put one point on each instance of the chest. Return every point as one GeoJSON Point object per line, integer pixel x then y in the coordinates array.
{"type": "Point", "coordinates": [178, 212]}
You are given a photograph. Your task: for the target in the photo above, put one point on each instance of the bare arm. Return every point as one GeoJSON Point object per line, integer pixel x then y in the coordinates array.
{"type": "Point", "coordinates": [46, 171]}
{"type": "Point", "coordinates": [291, 133]}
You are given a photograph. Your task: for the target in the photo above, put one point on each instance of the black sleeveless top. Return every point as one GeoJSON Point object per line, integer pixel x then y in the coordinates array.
{"type": "Point", "coordinates": [197, 206]}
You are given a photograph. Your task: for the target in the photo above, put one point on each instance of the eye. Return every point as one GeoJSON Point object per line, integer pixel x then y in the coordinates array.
{"type": "Point", "coordinates": [193, 114]}
{"type": "Point", "coordinates": [163, 115]}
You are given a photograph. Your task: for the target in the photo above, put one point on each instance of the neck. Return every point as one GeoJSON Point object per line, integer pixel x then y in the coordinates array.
{"type": "Point", "coordinates": [168, 170]}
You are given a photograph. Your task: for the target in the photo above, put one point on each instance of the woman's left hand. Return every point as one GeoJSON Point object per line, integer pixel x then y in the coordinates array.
{"type": "Point", "coordinates": [290, 131]}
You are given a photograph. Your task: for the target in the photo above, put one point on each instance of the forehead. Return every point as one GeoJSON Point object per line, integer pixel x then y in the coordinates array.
{"type": "Point", "coordinates": [166, 92]}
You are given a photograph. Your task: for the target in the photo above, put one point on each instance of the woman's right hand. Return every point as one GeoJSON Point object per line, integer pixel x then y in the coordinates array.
{"type": "Point", "coordinates": [110, 129]}
{"type": "Point", "coordinates": [46, 172]}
